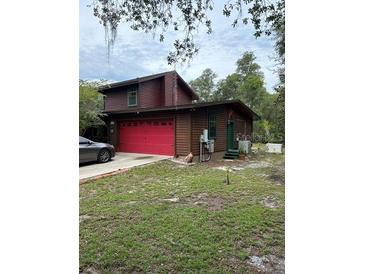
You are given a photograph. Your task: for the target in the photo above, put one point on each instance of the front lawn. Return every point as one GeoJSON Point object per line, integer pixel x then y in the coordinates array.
{"type": "Point", "coordinates": [171, 218]}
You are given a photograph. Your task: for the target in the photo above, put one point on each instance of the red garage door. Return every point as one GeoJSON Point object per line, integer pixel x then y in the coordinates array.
{"type": "Point", "coordinates": [147, 136]}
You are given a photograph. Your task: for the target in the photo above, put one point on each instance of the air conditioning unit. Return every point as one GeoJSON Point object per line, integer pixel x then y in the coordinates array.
{"type": "Point", "coordinates": [245, 147]}
{"type": "Point", "coordinates": [273, 148]}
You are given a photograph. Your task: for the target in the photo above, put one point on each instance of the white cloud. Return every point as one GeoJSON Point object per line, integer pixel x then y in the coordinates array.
{"type": "Point", "coordinates": [137, 54]}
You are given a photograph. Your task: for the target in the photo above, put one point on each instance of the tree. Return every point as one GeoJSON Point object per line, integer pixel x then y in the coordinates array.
{"type": "Point", "coordinates": [247, 84]}
{"type": "Point", "coordinates": [228, 88]}
{"type": "Point", "coordinates": [205, 86]}
{"type": "Point", "coordinates": [280, 108]}
{"type": "Point", "coordinates": [252, 90]}
{"type": "Point", "coordinates": [90, 105]}
{"type": "Point", "coordinates": [185, 16]}
{"type": "Point", "coordinates": [247, 66]}
{"type": "Point", "coordinates": [279, 31]}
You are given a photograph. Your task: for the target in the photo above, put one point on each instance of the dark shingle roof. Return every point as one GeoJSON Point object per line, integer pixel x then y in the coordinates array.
{"type": "Point", "coordinates": [236, 103]}
{"type": "Point", "coordinates": [111, 86]}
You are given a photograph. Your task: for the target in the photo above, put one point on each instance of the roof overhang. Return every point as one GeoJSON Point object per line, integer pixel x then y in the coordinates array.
{"type": "Point", "coordinates": [187, 87]}
{"type": "Point", "coordinates": [112, 86]}
{"type": "Point", "coordinates": [236, 103]}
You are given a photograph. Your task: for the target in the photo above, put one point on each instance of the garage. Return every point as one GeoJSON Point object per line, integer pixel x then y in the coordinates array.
{"type": "Point", "coordinates": [150, 136]}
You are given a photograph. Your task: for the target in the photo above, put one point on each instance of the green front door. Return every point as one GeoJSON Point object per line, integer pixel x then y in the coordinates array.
{"type": "Point", "coordinates": [230, 135]}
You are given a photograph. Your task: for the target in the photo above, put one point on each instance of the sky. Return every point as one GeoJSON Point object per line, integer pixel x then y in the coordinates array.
{"type": "Point", "coordinates": [137, 54]}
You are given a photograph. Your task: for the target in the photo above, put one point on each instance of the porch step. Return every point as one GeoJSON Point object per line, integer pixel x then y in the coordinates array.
{"type": "Point", "coordinates": [231, 154]}
{"type": "Point", "coordinates": [230, 157]}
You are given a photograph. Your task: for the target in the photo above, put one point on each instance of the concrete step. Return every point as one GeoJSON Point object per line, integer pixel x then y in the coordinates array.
{"type": "Point", "coordinates": [231, 154]}
{"type": "Point", "coordinates": [230, 157]}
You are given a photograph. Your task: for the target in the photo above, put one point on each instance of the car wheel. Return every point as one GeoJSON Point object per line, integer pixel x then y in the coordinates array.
{"type": "Point", "coordinates": [103, 156]}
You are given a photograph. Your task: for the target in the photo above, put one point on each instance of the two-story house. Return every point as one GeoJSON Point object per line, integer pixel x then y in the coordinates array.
{"type": "Point", "coordinates": [156, 115]}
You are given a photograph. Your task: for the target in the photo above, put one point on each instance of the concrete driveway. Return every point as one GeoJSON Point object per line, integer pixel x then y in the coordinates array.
{"type": "Point", "coordinates": [121, 160]}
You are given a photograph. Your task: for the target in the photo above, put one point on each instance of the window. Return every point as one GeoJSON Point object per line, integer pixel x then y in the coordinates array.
{"type": "Point", "coordinates": [132, 98]}
{"type": "Point", "coordinates": [212, 127]}
{"type": "Point", "coordinates": [83, 140]}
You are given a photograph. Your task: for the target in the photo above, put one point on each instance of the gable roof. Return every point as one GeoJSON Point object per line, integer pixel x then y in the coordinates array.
{"type": "Point", "coordinates": [109, 87]}
{"type": "Point", "coordinates": [236, 103]}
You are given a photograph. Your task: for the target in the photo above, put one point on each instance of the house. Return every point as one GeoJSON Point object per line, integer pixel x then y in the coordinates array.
{"type": "Point", "coordinates": [156, 115]}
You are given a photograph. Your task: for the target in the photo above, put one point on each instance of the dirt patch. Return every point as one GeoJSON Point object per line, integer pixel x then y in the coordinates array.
{"type": "Point", "coordinates": [237, 165]}
{"type": "Point", "coordinates": [237, 168]}
{"type": "Point", "coordinates": [199, 199]}
{"type": "Point", "coordinates": [172, 200]}
{"type": "Point", "coordinates": [267, 264]}
{"type": "Point", "coordinates": [259, 165]}
{"type": "Point", "coordinates": [204, 200]}
{"type": "Point", "coordinates": [224, 168]}
{"type": "Point", "coordinates": [270, 202]}
{"type": "Point", "coordinates": [240, 244]}
{"type": "Point", "coordinates": [181, 161]}
{"type": "Point", "coordinates": [277, 178]}
{"type": "Point", "coordinates": [90, 270]}
{"type": "Point", "coordinates": [235, 264]}
{"type": "Point", "coordinates": [94, 178]}
{"type": "Point", "coordinates": [225, 163]}
{"type": "Point", "coordinates": [231, 168]}
{"type": "Point", "coordinates": [84, 217]}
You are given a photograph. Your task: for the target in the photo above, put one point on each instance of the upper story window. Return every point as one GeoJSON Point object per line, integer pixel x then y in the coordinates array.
{"type": "Point", "coordinates": [132, 98]}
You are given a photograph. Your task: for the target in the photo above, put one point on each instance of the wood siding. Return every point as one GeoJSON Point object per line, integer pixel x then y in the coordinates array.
{"type": "Point", "coordinates": [158, 92]}
{"type": "Point", "coordinates": [150, 94]}
{"type": "Point", "coordinates": [199, 121]}
{"type": "Point", "coordinates": [242, 125]}
{"type": "Point", "coordinates": [189, 125]}
{"type": "Point", "coordinates": [183, 134]}
{"type": "Point", "coordinates": [183, 98]}
{"type": "Point", "coordinates": [221, 140]}
{"type": "Point", "coordinates": [249, 128]}
{"type": "Point", "coordinates": [116, 100]}
{"type": "Point", "coordinates": [169, 88]}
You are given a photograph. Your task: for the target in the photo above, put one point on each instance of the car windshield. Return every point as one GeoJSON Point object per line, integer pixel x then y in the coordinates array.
{"type": "Point", "coordinates": [83, 140]}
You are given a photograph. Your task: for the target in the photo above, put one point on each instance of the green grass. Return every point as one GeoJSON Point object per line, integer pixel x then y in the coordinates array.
{"type": "Point", "coordinates": [127, 226]}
